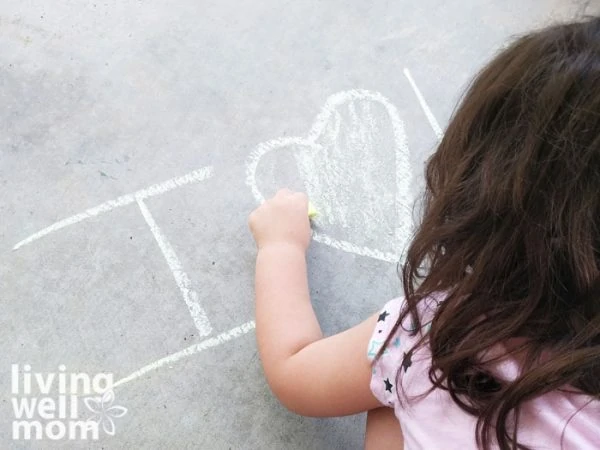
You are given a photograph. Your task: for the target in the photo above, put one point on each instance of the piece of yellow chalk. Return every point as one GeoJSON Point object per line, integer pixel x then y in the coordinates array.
{"type": "Point", "coordinates": [312, 212]}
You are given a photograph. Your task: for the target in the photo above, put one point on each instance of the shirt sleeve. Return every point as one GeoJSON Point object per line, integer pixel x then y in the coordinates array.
{"type": "Point", "coordinates": [385, 369]}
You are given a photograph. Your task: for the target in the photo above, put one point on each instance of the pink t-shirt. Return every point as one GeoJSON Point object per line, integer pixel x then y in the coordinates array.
{"type": "Point", "coordinates": [436, 422]}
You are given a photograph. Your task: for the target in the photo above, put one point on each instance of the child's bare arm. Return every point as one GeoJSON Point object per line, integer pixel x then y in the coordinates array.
{"type": "Point", "coordinates": [310, 375]}
{"type": "Point", "coordinates": [285, 320]}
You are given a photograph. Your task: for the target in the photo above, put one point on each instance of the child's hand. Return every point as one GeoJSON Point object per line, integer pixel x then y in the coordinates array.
{"type": "Point", "coordinates": [282, 220]}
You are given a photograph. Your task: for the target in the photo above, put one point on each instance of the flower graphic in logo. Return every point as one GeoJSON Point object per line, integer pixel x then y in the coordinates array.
{"type": "Point", "coordinates": [104, 412]}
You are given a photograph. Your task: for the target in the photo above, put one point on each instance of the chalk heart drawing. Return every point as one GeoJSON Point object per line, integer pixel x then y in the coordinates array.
{"type": "Point", "coordinates": [355, 166]}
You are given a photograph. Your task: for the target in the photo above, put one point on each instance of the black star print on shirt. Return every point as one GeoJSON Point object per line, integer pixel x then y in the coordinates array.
{"type": "Point", "coordinates": [407, 361]}
{"type": "Point", "coordinates": [382, 316]}
{"type": "Point", "coordinates": [388, 385]}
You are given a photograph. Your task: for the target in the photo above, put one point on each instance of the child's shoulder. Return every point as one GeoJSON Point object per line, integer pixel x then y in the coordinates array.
{"type": "Point", "coordinates": [399, 357]}
{"type": "Point", "coordinates": [399, 338]}
{"type": "Point", "coordinates": [392, 310]}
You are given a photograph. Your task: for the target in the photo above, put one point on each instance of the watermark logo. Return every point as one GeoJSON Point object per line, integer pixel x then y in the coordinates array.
{"type": "Point", "coordinates": [48, 405]}
{"type": "Point", "coordinates": [104, 411]}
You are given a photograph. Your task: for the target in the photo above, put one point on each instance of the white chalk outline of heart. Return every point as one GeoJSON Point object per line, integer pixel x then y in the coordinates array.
{"type": "Point", "coordinates": [403, 170]}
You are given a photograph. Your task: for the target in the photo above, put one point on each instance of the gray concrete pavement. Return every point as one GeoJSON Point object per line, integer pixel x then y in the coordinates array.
{"type": "Point", "coordinates": [153, 128]}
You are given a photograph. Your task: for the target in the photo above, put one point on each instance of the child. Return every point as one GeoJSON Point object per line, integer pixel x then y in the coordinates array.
{"type": "Point", "coordinates": [496, 343]}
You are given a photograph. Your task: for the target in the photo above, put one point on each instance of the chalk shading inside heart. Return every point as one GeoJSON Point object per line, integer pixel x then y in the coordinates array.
{"type": "Point", "coordinates": [354, 164]}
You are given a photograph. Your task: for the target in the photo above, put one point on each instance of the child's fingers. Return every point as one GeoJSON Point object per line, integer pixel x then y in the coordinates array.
{"type": "Point", "coordinates": [285, 192]}
{"type": "Point", "coordinates": [287, 195]}
{"type": "Point", "coordinates": [301, 196]}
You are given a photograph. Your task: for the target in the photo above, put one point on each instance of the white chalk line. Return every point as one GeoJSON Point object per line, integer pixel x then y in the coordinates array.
{"type": "Point", "coordinates": [349, 247]}
{"type": "Point", "coordinates": [156, 189]}
{"type": "Point", "coordinates": [222, 338]}
{"type": "Point", "coordinates": [190, 296]}
{"type": "Point", "coordinates": [403, 171]}
{"type": "Point", "coordinates": [259, 152]}
{"type": "Point", "coordinates": [439, 133]}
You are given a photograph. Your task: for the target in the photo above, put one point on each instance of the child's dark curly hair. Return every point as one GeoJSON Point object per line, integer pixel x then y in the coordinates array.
{"type": "Point", "coordinates": [511, 229]}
